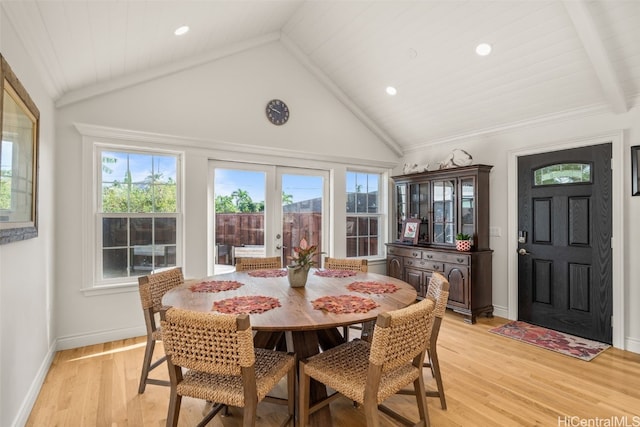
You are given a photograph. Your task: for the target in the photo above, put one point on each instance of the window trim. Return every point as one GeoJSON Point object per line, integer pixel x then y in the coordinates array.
{"type": "Point", "coordinates": [92, 148]}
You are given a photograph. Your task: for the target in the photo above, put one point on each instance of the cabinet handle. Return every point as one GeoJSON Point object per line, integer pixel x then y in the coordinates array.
{"type": "Point", "coordinates": [415, 254]}
{"type": "Point", "coordinates": [429, 256]}
{"type": "Point", "coordinates": [436, 267]}
{"type": "Point", "coordinates": [409, 262]}
{"type": "Point", "coordinates": [460, 260]}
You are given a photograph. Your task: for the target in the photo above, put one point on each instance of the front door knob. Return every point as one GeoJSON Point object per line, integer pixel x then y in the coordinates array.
{"type": "Point", "coordinates": [523, 251]}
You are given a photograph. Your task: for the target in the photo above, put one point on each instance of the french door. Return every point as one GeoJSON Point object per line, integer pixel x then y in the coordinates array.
{"type": "Point", "coordinates": [263, 210]}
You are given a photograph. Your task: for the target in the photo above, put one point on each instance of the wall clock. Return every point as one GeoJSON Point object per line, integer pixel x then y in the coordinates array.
{"type": "Point", "coordinates": [277, 112]}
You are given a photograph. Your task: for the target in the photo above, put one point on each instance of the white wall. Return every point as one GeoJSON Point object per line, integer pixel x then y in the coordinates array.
{"type": "Point", "coordinates": [211, 109]}
{"type": "Point", "coordinates": [496, 148]}
{"type": "Point", "coordinates": [26, 267]}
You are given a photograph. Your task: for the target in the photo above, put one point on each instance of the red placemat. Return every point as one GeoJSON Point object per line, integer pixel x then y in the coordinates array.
{"type": "Point", "coordinates": [215, 286]}
{"type": "Point", "coordinates": [267, 273]}
{"type": "Point", "coordinates": [342, 304]}
{"type": "Point", "coordinates": [251, 304]}
{"type": "Point", "coordinates": [335, 273]}
{"type": "Point", "coordinates": [372, 287]}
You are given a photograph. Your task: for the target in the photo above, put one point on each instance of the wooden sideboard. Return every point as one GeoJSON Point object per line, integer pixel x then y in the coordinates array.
{"type": "Point", "coordinates": [469, 275]}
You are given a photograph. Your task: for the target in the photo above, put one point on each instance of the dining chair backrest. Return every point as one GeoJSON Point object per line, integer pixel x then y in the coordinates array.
{"type": "Point", "coordinates": [352, 264]}
{"type": "Point", "coordinates": [401, 335]}
{"type": "Point", "coordinates": [438, 290]}
{"type": "Point", "coordinates": [212, 343]}
{"type": "Point", "coordinates": [247, 264]}
{"type": "Point", "coordinates": [152, 287]}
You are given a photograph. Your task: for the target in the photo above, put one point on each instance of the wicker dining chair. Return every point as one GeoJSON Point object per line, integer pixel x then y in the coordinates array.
{"type": "Point", "coordinates": [221, 364]}
{"type": "Point", "coordinates": [152, 288]}
{"type": "Point", "coordinates": [438, 290]}
{"type": "Point", "coordinates": [369, 373]}
{"type": "Point", "coordinates": [351, 264]}
{"type": "Point", "coordinates": [246, 264]}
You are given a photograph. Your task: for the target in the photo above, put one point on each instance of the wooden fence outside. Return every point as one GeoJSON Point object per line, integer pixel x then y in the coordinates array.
{"type": "Point", "coordinates": [244, 229]}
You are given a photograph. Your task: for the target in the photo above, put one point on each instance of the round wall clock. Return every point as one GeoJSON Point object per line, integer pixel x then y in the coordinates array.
{"type": "Point", "coordinates": [277, 112]}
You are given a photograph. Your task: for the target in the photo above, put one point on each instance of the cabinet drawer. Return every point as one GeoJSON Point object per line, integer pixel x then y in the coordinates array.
{"type": "Point", "coordinates": [444, 257]}
{"type": "Point", "coordinates": [406, 252]}
{"type": "Point", "coordinates": [424, 264]}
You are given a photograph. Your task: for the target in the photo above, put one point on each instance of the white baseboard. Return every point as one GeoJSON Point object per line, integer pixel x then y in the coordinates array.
{"type": "Point", "coordinates": [34, 389]}
{"type": "Point", "coordinates": [501, 312]}
{"type": "Point", "coordinates": [99, 337]}
{"type": "Point", "coordinates": [632, 344]}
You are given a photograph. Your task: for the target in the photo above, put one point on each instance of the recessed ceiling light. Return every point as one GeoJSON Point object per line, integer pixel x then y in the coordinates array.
{"type": "Point", "coordinates": [483, 49]}
{"type": "Point", "coordinates": [181, 30]}
{"type": "Point", "coordinates": [391, 90]}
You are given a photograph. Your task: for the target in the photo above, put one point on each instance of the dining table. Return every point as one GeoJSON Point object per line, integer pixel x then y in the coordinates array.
{"type": "Point", "coordinates": [305, 320]}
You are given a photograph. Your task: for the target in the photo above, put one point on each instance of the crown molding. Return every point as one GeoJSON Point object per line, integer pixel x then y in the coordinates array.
{"type": "Point", "coordinates": [172, 141]}
{"type": "Point", "coordinates": [521, 124]}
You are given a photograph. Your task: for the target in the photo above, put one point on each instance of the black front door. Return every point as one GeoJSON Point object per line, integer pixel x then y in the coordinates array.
{"type": "Point", "coordinates": [564, 223]}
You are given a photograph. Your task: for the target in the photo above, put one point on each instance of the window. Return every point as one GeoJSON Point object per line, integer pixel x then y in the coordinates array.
{"type": "Point", "coordinates": [563, 173]}
{"type": "Point", "coordinates": [364, 215]}
{"type": "Point", "coordinates": [138, 213]}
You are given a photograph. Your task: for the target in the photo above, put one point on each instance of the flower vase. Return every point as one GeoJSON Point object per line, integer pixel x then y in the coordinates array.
{"type": "Point", "coordinates": [463, 245]}
{"type": "Point", "coordinates": [297, 275]}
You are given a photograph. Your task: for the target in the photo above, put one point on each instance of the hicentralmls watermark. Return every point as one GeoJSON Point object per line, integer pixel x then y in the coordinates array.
{"type": "Point", "coordinates": [614, 421]}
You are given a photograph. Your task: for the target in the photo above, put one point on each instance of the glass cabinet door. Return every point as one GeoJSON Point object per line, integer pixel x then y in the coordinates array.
{"type": "Point", "coordinates": [467, 205]}
{"type": "Point", "coordinates": [444, 211]}
{"type": "Point", "coordinates": [401, 208]}
{"type": "Point", "coordinates": [419, 204]}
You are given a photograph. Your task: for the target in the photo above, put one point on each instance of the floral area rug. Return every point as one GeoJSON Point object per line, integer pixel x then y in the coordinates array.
{"type": "Point", "coordinates": [560, 342]}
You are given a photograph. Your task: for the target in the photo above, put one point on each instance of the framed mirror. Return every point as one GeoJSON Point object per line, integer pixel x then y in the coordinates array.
{"type": "Point", "coordinates": [19, 127]}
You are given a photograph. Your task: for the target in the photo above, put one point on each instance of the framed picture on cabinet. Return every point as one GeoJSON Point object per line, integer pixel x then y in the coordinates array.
{"type": "Point", "coordinates": [410, 231]}
{"type": "Point", "coordinates": [635, 175]}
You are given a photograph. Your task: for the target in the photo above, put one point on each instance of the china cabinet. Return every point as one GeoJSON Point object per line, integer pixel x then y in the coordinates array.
{"type": "Point", "coordinates": [444, 203]}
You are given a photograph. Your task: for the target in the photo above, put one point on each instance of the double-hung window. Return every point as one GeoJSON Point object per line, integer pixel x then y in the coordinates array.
{"type": "Point", "coordinates": [365, 216]}
{"type": "Point", "coordinates": [138, 219]}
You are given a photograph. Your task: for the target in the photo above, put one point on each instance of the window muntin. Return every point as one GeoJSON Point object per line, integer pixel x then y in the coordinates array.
{"type": "Point", "coordinates": [562, 174]}
{"type": "Point", "coordinates": [137, 213]}
{"type": "Point", "coordinates": [364, 216]}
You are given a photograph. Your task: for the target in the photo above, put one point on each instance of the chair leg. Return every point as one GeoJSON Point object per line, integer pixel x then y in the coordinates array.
{"type": "Point", "coordinates": [174, 408]}
{"type": "Point", "coordinates": [146, 364]}
{"type": "Point", "coordinates": [304, 383]}
{"type": "Point", "coordinates": [435, 367]}
{"type": "Point", "coordinates": [345, 333]}
{"type": "Point", "coordinates": [371, 413]}
{"type": "Point", "coordinates": [249, 417]}
{"type": "Point", "coordinates": [291, 394]}
{"type": "Point", "coordinates": [421, 400]}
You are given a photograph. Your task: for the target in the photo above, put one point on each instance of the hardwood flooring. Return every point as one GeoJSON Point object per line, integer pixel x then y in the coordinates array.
{"type": "Point", "coordinates": [489, 381]}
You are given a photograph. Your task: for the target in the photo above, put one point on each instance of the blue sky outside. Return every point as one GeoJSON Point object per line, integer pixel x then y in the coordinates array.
{"type": "Point", "coordinates": [300, 187]}
{"type": "Point", "coordinates": [140, 165]}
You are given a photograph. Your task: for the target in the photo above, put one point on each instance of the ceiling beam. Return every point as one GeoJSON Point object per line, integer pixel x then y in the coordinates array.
{"type": "Point", "coordinates": [592, 42]}
{"type": "Point", "coordinates": [338, 93]}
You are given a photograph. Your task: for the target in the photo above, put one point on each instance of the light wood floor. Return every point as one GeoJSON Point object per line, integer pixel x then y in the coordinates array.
{"type": "Point", "coordinates": [489, 381]}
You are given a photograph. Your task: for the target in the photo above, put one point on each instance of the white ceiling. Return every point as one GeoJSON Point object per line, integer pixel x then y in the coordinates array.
{"type": "Point", "coordinates": [550, 58]}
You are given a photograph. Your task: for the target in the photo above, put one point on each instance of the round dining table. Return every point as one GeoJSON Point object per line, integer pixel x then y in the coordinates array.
{"type": "Point", "coordinates": [306, 319]}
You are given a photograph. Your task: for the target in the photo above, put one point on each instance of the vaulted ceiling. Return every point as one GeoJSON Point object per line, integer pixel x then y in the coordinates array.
{"type": "Point", "coordinates": [550, 59]}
